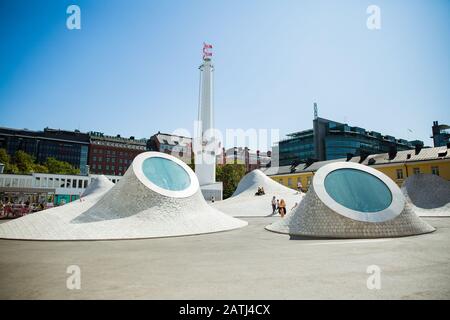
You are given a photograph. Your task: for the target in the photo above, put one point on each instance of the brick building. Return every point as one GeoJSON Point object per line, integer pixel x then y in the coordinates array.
{"type": "Point", "coordinates": [112, 155]}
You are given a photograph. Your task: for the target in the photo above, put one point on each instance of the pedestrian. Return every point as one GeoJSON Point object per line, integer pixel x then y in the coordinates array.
{"type": "Point", "coordinates": [299, 186]}
{"type": "Point", "coordinates": [274, 204]}
{"type": "Point", "coordinates": [282, 208]}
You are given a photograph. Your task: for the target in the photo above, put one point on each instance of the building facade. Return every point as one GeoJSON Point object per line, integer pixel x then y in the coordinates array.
{"type": "Point", "coordinates": [177, 146]}
{"type": "Point", "coordinates": [44, 187]}
{"type": "Point", "coordinates": [441, 134]}
{"type": "Point", "coordinates": [112, 155]}
{"type": "Point", "coordinates": [69, 146]}
{"type": "Point", "coordinates": [398, 166]}
{"type": "Point", "coordinates": [252, 160]}
{"type": "Point", "coordinates": [329, 140]}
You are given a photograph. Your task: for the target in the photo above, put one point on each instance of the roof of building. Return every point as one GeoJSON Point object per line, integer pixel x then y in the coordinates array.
{"type": "Point", "coordinates": [424, 154]}
{"type": "Point", "coordinates": [100, 136]}
{"type": "Point", "coordinates": [48, 134]}
{"type": "Point", "coordinates": [170, 139]}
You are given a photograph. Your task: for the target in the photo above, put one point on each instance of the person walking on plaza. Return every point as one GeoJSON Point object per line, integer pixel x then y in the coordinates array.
{"type": "Point", "coordinates": [274, 205]}
{"type": "Point", "coordinates": [282, 208]}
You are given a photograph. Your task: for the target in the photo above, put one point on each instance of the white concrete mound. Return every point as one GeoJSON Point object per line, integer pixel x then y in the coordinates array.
{"type": "Point", "coordinates": [134, 208]}
{"type": "Point", "coordinates": [98, 185]}
{"type": "Point", "coordinates": [428, 194]}
{"type": "Point", "coordinates": [244, 202]}
{"type": "Point", "coordinates": [356, 202]}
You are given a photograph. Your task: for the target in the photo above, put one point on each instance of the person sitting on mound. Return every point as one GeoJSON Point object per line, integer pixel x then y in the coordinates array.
{"type": "Point", "coordinates": [260, 191]}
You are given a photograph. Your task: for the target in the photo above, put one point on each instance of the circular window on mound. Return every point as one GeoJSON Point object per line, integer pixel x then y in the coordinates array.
{"type": "Point", "coordinates": [166, 174]}
{"type": "Point", "coordinates": [358, 190]}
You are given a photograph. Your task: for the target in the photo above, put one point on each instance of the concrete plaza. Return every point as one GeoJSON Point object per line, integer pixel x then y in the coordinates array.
{"type": "Point", "coordinates": [248, 263]}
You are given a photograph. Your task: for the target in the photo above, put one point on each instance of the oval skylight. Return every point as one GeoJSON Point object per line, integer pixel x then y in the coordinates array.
{"type": "Point", "coordinates": [166, 174]}
{"type": "Point", "coordinates": [358, 190]}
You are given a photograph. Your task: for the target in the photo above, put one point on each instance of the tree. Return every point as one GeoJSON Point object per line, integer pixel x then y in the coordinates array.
{"type": "Point", "coordinates": [39, 168]}
{"type": "Point", "coordinates": [61, 167]}
{"type": "Point", "coordinates": [25, 163]}
{"type": "Point", "coordinates": [230, 175]}
{"type": "Point", "coordinates": [6, 160]}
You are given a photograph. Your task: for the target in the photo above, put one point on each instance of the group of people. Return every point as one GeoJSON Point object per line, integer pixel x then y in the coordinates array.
{"type": "Point", "coordinates": [279, 205]}
{"type": "Point", "coordinates": [14, 210]}
{"type": "Point", "coordinates": [260, 191]}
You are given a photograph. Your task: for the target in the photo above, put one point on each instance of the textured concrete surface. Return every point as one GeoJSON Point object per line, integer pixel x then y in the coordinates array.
{"type": "Point", "coordinates": [313, 218]}
{"type": "Point", "coordinates": [244, 203]}
{"type": "Point", "coordinates": [248, 263]}
{"type": "Point", "coordinates": [129, 210]}
{"type": "Point", "coordinates": [428, 194]}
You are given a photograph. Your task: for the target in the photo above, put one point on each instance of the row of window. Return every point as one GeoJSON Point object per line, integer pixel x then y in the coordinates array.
{"type": "Point", "coordinates": [112, 152]}
{"type": "Point", "coordinates": [107, 167]}
{"type": "Point", "coordinates": [400, 176]}
{"type": "Point", "coordinates": [120, 145]}
{"type": "Point", "coordinates": [44, 182]}
{"type": "Point", "coordinates": [289, 182]}
{"type": "Point", "coordinates": [113, 160]}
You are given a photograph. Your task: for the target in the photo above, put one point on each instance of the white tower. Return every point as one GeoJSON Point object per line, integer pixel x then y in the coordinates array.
{"type": "Point", "coordinates": [206, 144]}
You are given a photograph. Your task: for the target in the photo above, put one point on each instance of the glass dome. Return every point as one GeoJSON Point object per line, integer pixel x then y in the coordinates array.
{"type": "Point", "coordinates": [166, 174]}
{"type": "Point", "coordinates": [358, 190]}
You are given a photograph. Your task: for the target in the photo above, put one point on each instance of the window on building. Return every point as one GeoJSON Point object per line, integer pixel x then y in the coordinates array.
{"type": "Point", "coordinates": [435, 170]}
{"type": "Point", "coordinates": [107, 167]}
{"type": "Point", "coordinates": [74, 183]}
{"type": "Point", "coordinates": [107, 160]}
{"type": "Point", "coordinates": [308, 180]}
{"type": "Point", "coordinates": [99, 167]}
{"type": "Point", "coordinates": [85, 184]}
{"type": "Point", "coordinates": [416, 170]}
{"type": "Point", "coordinates": [399, 173]}
{"type": "Point", "coordinates": [290, 182]}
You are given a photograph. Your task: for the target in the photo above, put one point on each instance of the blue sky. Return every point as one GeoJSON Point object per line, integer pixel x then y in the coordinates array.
{"type": "Point", "coordinates": [132, 69]}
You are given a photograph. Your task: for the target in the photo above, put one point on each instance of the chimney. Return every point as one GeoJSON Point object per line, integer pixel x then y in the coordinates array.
{"type": "Point", "coordinates": [363, 156]}
{"type": "Point", "coordinates": [392, 152]}
{"type": "Point", "coordinates": [418, 147]}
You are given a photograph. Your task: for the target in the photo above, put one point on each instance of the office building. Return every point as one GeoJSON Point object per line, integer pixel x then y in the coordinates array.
{"type": "Point", "coordinates": [329, 140]}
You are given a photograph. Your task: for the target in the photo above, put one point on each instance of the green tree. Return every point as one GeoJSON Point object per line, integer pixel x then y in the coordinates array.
{"type": "Point", "coordinates": [6, 160]}
{"type": "Point", "coordinates": [61, 167]}
{"type": "Point", "coordinates": [230, 175]}
{"type": "Point", "coordinates": [39, 168]}
{"type": "Point", "coordinates": [25, 163]}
